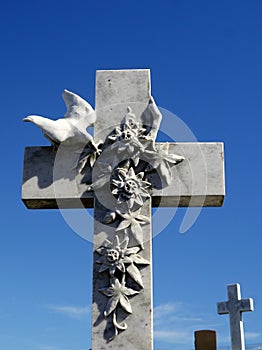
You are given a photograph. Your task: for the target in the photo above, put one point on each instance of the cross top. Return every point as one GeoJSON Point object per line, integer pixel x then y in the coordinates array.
{"type": "Point", "coordinates": [234, 307]}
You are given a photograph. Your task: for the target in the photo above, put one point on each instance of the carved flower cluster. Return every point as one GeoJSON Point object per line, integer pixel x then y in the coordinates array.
{"type": "Point", "coordinates": [118, 294]}
{"type": "Point", "coordinates": [134, 155]}
{"type": "Point", "coordinates": [115, 256]}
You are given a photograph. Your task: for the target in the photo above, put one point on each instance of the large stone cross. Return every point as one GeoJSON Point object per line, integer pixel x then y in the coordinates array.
{"type": "Point", "coordinates": [120, 194]}
{"type": "Point", "coordinates": [234, 307]}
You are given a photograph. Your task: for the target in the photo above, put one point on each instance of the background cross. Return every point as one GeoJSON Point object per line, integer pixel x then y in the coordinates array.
{"type": "Point", "coordinates": [234, 307]}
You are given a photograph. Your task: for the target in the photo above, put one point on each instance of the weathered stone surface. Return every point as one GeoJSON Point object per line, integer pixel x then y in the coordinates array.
{"type": "Point", "coordinates": [198, 180]}
{"type": "Point", "coordinates": [139, 332]}
{"type": "Point", "coordinates": [205, 340]}
{"type": "Point", "coordinates": [114, 92]}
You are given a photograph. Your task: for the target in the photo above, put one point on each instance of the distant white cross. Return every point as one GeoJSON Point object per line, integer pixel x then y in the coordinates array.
{"type": "Point", "coordinates": [234, 307]}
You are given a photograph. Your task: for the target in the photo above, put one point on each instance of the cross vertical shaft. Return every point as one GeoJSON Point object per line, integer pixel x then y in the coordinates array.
{"type": "Point", "coordinates": [116, 90]}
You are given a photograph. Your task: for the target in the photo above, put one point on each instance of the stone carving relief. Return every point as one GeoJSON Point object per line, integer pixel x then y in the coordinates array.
{"type": "Point", "coordinates": [135, 156]}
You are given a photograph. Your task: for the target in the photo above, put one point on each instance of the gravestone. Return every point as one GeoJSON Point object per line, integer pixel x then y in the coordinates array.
{"type": "Point", "coordinates": [235, 306]}
{"type": "Point", "coordinates": [205, 340]}
{"type": "Point", "coordinates": [130, 172]}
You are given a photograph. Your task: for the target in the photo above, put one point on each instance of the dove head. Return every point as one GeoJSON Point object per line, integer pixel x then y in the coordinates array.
{"type": "Point", "coordinates": [36, 119]}
{"type": "Point", "coordinates": [28, 119]}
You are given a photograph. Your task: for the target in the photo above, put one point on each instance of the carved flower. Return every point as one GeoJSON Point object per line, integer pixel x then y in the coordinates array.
{"type": "Point", "coordinates": [128, 130]}
{"type": "Point", "coordinates": [130, 187]}
{"type": "Point", "coordinates": [162, 160]}
{"type": "Point", "coordinates": [127, 138]}
{"type": "Point", "coordinates": [133, 221]}
{"type": "Point", "coordinates": [115, 255]}
{"type": "Point", "coordinates": [118, 293]}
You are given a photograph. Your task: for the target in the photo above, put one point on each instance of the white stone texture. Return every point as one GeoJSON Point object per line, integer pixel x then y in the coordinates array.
{"type": "Point", "coordinates": [198, 180]}
{"type": "Point", "coordinates": [114, 92]}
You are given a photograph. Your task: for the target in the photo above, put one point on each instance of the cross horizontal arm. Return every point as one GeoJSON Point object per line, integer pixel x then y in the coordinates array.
{"type": "Point", "coordinates": [222, 308]}
{"type": "Point", "coordinates": [51, 182]}
{"type": "Point", "coordinates": [246, 305]}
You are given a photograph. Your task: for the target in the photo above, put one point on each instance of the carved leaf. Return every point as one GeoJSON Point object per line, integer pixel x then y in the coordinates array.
{"type": "Point", "coordinates": [109, 292]}
{"type": "Point", "coordinates": [137, 259]}
{"type": "Point", "coordinates": [130, 292]}
{"type": "Point", "coordinates": [165, 172]}
{"type": "Point", "coordinates": [174, 158]}
{"type": "Point", "coordinates": [123, 224]}
{"type": "Point", "coordinates": [135, 274]}
{"type": "Point", "coordinates": [111, 305]}
{"type": "Point", "coordinates": [143, 219]}
{"type": "Point", "coordinates": [132, 250]}
{"type": "Point", "coordinates": [137, 233]}
{"type": "Point", "coordinates": [125, 303]}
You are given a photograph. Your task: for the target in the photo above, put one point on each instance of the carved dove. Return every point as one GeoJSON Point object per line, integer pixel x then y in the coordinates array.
{"type": "Point", "coordinates": [70, 130]}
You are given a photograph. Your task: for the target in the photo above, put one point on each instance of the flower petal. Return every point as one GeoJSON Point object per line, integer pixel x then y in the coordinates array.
{"type": "Point", "coordinates": [124, 243]}
{"type": "Point", "coordinates": [140, 176]}
{"type": "Point", "coordinates": [138, 199]}
{"type": "Point", "coordinates": [131, 173]}
{"type": "Point", "coordinates": [121, 267]}
{"type": "Point", "coordinates": [143, 219]}
{"type": "Point", "coordinates": [127, 260]}
{"type": "Point", "coordinates": [109, 292]}
{"type": "Point", "coordinates": [116, 242]}
{"type": "Point", "coordinates": [130, 292]}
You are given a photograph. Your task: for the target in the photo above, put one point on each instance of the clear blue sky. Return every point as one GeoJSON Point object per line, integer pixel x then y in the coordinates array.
{"type": "Point", "coordinates": [205, 57]}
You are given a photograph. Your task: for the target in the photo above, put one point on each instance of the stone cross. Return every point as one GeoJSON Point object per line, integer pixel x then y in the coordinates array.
{"type": "Point", "coordinates": [234, 307]}
{"type": "Point", "coordinates": [127, 172]}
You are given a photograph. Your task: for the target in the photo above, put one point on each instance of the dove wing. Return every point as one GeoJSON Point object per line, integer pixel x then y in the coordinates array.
{"type": "Point", "coordinates": [79, 112]}
{"type": "Point", "coordinates": [151, 118]}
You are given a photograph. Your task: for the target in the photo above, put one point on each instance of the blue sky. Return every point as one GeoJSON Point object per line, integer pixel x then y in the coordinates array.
{"type": "Point", "coordinates": [205, 60]}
